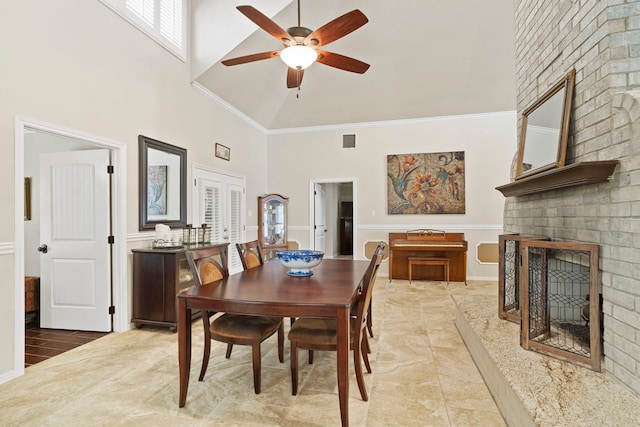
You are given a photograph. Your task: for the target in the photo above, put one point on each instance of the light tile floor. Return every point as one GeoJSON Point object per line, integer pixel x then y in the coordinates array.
{"type": "Point", "coordinates": [422, 376]}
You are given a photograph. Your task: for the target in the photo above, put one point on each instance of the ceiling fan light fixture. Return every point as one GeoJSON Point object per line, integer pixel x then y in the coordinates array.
{"type": "Point", "coordinates": [298, 57]}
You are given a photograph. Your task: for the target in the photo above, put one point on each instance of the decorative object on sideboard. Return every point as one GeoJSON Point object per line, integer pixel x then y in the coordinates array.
{"type": "Point", "coordinates": [167, 238]}
{"type": "Point", "coordinates": [162, 184]}
{"type": "Point", "coordinates": [196, 235]}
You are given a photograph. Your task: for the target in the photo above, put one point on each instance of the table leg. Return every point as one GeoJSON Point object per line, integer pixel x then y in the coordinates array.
{"type": "Point", "coordinates": [184, 348]}
{"type": "Point", "coordinates": [343, 364]}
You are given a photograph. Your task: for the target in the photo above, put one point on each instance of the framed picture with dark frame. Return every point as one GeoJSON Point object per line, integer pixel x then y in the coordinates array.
{"type": "Point", "coordinates": [162, 170]}
{"type": "Point", "coordinates": [223, 152]}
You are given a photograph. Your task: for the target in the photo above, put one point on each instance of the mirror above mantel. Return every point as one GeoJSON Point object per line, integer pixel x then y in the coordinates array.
{"type": "Point", "coordinates": [545, 129]}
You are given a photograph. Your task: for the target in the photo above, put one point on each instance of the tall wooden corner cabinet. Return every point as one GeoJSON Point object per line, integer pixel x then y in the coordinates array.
{"type": "Point", "coordinates": [272, 224]}
{"type": "Point", "coordinates": [158, 275]}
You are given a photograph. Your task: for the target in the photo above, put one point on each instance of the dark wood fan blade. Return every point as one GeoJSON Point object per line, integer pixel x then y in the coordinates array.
{"type": "Point", "coordinates": [264, 22]}
{"type": "Point", "coordinates": [294, 77]}
{"type": "Point", "coordinates": [342, 62]}
{"type": "Point", "coordinates": [251, 58]}
{"type": "Point", "coordinates": [339, 27]}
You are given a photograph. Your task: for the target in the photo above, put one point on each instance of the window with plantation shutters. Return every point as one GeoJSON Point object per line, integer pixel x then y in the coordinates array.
{"type": "Point", "coordinates": [210, 211]}
{"type": "Point", "coordinates": [236, 223]}
{"type": "Point", "coordinates": [162, 20]}
{"type": "Point", "coordinates": [220, 202]}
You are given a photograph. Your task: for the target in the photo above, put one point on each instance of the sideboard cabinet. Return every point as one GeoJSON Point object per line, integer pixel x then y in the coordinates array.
{"type": "Point", "coordinates": [158, 275]}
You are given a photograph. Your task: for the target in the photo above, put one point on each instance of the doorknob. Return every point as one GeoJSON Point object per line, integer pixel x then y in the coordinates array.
{"type": "Point", "coordinates": [43, 249]}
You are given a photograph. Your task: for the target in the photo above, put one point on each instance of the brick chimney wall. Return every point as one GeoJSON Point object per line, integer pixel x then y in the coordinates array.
{"type": "Point", "coordinates": [601, 40]}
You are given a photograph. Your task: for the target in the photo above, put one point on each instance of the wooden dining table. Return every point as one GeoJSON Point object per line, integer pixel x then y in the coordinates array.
{"type": "Point", "coordinates": [268, 290]}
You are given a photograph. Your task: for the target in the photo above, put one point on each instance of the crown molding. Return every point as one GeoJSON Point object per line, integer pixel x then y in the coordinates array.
{"type": "Point", "coordinates": [339, 127]}
{"type": "Point", "coordinates": [230, 108]}
{"type": "Point", "coordinates": [387, 123]}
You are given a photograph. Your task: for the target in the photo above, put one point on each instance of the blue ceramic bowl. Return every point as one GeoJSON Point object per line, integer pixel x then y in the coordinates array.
{"type": "Point", "coordinates": [300, 262]}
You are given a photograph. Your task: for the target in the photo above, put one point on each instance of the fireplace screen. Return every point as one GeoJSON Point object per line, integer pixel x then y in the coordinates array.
{"type": "Point", "coordinates": [561, 310]}
{"type": "Point", "coordinates": [509, 280]}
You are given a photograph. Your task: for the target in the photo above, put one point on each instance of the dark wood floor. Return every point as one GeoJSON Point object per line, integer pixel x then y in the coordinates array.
{"type": "Point", "coordinates": [41, 344]}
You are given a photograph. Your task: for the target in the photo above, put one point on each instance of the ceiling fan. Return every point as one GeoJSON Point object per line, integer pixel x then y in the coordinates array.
{"type": "Point", "coordinates": [301, 44]}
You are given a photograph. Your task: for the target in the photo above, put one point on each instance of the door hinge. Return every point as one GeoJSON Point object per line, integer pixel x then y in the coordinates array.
{"type": "Point", "coordinates": [112, 309]}
{"type": "Point", "coordinates": [110, 169]}
{"type": "Point", "coordinates": [111, 240]}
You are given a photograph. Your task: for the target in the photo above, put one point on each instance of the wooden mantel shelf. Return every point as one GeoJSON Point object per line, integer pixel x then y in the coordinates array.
{"type": "Point", "coordinates": [568, 176]}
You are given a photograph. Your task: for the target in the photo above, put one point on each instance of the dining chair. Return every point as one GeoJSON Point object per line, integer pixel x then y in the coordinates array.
{"type": "Point", "coordinates": [209, 265]}
{"type": "Point", "coordinates": [354, 312]}
{"type": "Point", "coordinates": [250, 254]}
{"type": "Point", "coordinates": [321, 334]}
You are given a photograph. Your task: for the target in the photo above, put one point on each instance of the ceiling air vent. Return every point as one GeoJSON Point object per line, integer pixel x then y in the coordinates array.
{"type": "Point", "coordinates": [348, 141]}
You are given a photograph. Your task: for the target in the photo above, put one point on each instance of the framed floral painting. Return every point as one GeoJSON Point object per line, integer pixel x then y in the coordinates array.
{"type": "Point", "coordinates": [427, 183]}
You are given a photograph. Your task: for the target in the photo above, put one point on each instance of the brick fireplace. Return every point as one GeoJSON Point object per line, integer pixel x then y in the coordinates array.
{"type": "Point", "coordinates": [602, 41]}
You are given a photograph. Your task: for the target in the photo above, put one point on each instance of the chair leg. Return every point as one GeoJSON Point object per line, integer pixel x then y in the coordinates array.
{"type": "Point", "coordinates": [229, 349]}
{"type": "Point", "coordinates": [281, 342]}
{"type": "Point", "coordinates": [294, 368]}
{"type": "Point", "coordinates": [365, 349]}
{"type": "Point", "coordinates": [358, 365]}
{"type": "Point", "coordinates": [370, 323]}
{"type": "Point", "coordinates": [310, 357]}
{"type": "Point", "coordinates": [368, 347]}
{"type": "Point", "coordinates": [207, 344]}
{"type": "Point", "coordinates": [257, 365]}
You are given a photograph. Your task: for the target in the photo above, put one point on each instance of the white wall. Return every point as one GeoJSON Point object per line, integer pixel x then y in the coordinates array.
{"type": "Point", "coordinates": [78, 65]}
{"type": "Point", "coordinates": [489, 140]}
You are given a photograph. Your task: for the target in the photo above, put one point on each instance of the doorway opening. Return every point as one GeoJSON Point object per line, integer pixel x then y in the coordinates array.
{"type": "Point", "coordinates": [333, 217]}
{"type": "Point", "coordinates": [26, 131]}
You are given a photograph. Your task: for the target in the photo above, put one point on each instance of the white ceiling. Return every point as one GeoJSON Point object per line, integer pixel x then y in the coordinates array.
{"type": "Point", "coordinates": [428, 58]}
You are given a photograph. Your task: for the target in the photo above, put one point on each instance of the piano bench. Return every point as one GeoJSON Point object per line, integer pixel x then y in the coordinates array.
{"type": "Point", "coordinates": [418, 260]}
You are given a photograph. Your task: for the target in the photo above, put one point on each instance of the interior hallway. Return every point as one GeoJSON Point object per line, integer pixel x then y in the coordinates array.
{"type": "Point", "coordinates": [422, 376]}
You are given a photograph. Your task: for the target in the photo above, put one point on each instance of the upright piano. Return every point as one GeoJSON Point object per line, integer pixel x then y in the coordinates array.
{"type": "Point", "coordinates": [427, 243]}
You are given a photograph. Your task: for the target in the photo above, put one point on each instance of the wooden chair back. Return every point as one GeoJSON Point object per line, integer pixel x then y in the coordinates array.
{"type": "Point", "coordinates": [208, 264]}
{"type": "Point", "coordinates": [250, 254]}
{"type": "Point", "coordinates": [368, 281]}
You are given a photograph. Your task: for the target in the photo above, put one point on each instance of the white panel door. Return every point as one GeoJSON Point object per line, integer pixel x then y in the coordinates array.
{"type": "Point", "coordinates": [220, 202]}
{"type": "Point", "coordinates": [320, 222]}
{"type": "Point", "coordinates": [75, 282]}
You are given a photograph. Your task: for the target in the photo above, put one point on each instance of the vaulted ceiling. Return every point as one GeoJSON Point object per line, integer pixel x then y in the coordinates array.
{"type": "Point", "coordinates": [428, 58]}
